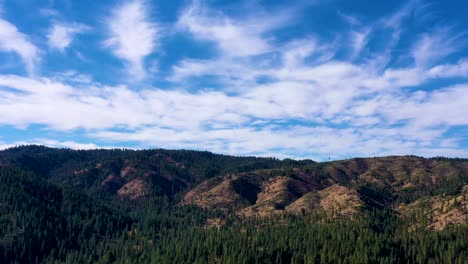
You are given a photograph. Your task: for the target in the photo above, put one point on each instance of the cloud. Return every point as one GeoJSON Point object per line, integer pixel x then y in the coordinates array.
{"type": "Point", "coordinates": [303, 96]}
{"type": "Point", "coordinates": [51, 143]}
{"type": "Point", "coordinates": [253, 122]}
{"type": "Point", "coordinates": [459, 69]}
{"type": "Point", "coordinates": [132, 35]}
{"type": "Point", "coordinates": [296, 51]}
{"type": "Point", "coordinates": [229, 70]}
{"type": "Point", "coordinates": [61, 35]}
{"type": "Point", "coordinates": [358, 41]}
{"type": "Point", "coordinates": [49, 12]}
{"type": "Point", "coordinates": [396, 19]}
{"type": "Point", "coordinates": [362, 105]}
{"type": "Point", "coordinates": [302, 141]}
{"type": "Point", "coordinates": [443, 107]}
{"type": "Point", "coordinates": [234, 38]}
{"type": "Point", "coordinates": [72, 76]}
{"type": "Point", "coordinates": [288, 63]}
{"type": "Point", "coordinates": [434, 46]}
{"type": "Point", "coordinates": [11, 40]}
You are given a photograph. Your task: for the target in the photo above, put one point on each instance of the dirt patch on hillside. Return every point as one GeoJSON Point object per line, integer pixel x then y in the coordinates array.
{"type": "Point", "coordinates": [440, 211]}
{"type": "Point", "coordinates": [135, 189]}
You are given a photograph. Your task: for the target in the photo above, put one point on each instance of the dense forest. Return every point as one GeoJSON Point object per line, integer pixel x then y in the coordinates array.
{"type": "Point", "coordinates": [181, 206]}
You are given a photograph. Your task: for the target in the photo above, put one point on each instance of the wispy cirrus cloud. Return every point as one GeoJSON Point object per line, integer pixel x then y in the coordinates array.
{"type": "Point", "coordinates": [359, 40]}
{"type": "Point", "coordinates": [61, 35]}
{"type": "Point", "coordinates": [234, 37]}
{"type": "Point", "coordinates": [132, 35]}
{"type": "Point", "coordinates": [459, 69]}
{"type": "Point", "coordinates": [12, 40]}
{"type": "Point", "coordinates": [434, 46]}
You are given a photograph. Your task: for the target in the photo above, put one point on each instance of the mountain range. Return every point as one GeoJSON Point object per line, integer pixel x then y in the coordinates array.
{"type": "Point", "coordinates": [75, 196]}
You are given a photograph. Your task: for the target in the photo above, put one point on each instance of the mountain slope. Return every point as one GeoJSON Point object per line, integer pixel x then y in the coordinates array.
{"type": "Point", "coordinates": [344, 186]}
{"type": "Point", "coordinates": [102, 173]}
{"type": "Point", "coordinates": [245, 185]}
{"type": "Point", "coordinates": [167, 206]}
{"type": "Point", "coordinates": [37, 218]}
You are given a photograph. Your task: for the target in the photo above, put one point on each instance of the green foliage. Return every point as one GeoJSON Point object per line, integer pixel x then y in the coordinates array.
{"type": "Point", "coordinates": [39, 219]}
{"type": "Point", "coordinates": [54, 210]}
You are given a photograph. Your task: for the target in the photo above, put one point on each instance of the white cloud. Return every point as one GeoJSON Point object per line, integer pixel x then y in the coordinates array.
{"type": "Point", "coordinates": [296, 51]}
{"type": "Point", "coordinates": [61, 35]}
{"type": "Point", "coordinates": [132, 35]}
{"type": "Point", "coordinates": [73, 76]}
{"type": "Point", "coordinates": [230, 70]}
{"type": "Point", "coordinates": [395, 20]}
{"type": "Point", "coordinates": [241, 37]}
{"type": "Point", "coordinates": [433, 46]}
{"type": "Point", "coordinates": [51, 143]}
{"type": "Point", "coordinates": [438, 108]}
{"type": "Point", "coordinates": [11, 40]}
{"type": "Point", "coordinates": [64, 144]}
{"type": "Point", "coordinates": [358, 41]}
{"type": "Point", "coordinates": [232, 124]}
{"type": "Point", "coordinates": [305, 97]}
{"type": "Point", "coordinates": [459, 69]}
{"type": "Point", "coordinates": [297, 141]}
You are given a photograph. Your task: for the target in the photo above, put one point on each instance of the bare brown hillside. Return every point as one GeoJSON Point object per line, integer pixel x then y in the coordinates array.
{"type": "Point", "coordinates": [343, 187]}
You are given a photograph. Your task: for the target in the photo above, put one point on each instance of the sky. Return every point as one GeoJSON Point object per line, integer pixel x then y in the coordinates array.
{"type": "Point", "coordinates": [328, 79]}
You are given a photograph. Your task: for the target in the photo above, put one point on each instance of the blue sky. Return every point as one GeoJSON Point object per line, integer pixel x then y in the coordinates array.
{"type": "Point", "coordinates": [302, 79]}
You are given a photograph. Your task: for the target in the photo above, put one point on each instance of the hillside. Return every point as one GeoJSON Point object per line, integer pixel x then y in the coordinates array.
{"type": "Point", "coordinates": [342, 187]}
{"type": "Point", "coordinates": [117, 204]}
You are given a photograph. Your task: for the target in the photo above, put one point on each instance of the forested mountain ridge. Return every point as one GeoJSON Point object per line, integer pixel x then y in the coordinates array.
{"type": "Point", "coordinates": [345, 187]}
{"type": "Point", "coordinates": [128, 173]}
{"type": "Point", "coordinates": [161, 206]}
